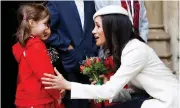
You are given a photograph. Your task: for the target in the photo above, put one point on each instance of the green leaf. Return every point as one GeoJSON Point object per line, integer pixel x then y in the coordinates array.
{"type": "Point", "coordinates": [86, 57]}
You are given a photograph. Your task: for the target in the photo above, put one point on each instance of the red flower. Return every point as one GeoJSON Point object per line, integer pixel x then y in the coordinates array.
{"type": "Point", "coordinates": [108, 62]}
{"type": "Point", "coordinates": [110, 65]}
{"type": "Point", "coordinates": [109, 74]}
{"type": "Point", "coordinates": [111, 62]}
{"type": "Point", "coordinates": [95, 105]}
{"type": "Point", "coordinates": [107, 104]}
{"type": "Point", "coordinates": [88, 63]}
{"type": "Point", "coordinates": [99, 105]}
{"type": "Point", "coordinates": [98, 60]}
{"type": "Point", "coordinates": [126, 86]}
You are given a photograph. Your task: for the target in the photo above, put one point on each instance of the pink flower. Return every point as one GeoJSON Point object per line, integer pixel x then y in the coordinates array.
{"type": "Point", "coordinates": [82, 68]}
{"type": "Point", "coordinates": [98, 60]}
{"type": "Point", "coordinates": [88, 62]}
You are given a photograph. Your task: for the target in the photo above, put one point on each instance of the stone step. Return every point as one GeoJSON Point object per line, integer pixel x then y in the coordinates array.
{"type": "Point", "coordinates": [160, 42]}
{"type": "Point", "coordinates": [158, 35]}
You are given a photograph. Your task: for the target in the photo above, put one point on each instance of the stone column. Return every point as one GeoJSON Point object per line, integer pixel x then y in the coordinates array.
{"type": "Point", "coordinates": [171, 25]}
{"type": "Point", "coordinates": [178, 38]}
{"type": "Point", "coordinates": [154, 13]}
{"type": "Point", "coordinates": [158, 39]}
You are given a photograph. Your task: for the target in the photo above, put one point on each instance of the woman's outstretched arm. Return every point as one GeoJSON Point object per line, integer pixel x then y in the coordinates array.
{"type": "Point", "coordinates": [133, 61]}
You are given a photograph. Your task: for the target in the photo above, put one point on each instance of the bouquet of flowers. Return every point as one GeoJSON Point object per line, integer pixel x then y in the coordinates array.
{"type": "Point", "coordinates": [53, 53]}
{"type": "Point", "coordinates": [93, 67]}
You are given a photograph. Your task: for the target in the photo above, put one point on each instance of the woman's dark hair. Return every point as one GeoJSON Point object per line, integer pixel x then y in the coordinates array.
{"type": "Point", "coordinates": [26, 12]}
{"type": "Point", "coordinates": [118, 31]}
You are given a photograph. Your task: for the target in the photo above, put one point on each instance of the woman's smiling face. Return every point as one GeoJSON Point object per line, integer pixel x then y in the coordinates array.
{"type": "Point", "coordinates": [98, 32]}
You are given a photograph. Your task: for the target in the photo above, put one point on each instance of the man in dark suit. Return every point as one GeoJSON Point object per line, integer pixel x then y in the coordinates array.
{"type": "Point", "coordinates": [72, 25]}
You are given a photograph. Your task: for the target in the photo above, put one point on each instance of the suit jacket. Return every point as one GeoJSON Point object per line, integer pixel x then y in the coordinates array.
{"type": "Point", "coordinates": [67, 30]}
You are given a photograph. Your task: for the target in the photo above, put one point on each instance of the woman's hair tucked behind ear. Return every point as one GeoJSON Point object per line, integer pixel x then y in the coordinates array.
{"type": "Point", "coordinates": [118, 31]}
{"type": "Point", "coordinates": [26, 12]}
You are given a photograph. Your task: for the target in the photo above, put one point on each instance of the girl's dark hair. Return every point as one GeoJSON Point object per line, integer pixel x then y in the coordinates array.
{"type": "Point", "coordinates": [26, 12]}
{"type": "Point", "coordinates": [118, 32]}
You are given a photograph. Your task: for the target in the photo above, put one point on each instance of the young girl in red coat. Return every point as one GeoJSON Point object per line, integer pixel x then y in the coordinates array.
{"type": "Point", "coordinates": [33, 59]}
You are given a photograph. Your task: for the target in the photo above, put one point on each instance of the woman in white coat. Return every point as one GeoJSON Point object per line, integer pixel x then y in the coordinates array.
{"type": "Point", "coordinates": [134, 61]}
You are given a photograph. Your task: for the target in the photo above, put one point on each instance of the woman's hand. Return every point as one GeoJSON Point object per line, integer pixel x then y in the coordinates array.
{"type": "Point", "coordinates": [105, 79]}
{"type": "Point", "coordinates": [55, 82]}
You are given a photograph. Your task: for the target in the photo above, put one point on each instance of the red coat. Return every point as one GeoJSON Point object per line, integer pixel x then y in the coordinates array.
{"type": "Point", "coordinates": [33, 61]}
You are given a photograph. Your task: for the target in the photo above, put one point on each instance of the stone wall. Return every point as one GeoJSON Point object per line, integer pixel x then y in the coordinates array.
{"type": "Point", "coordinates": [164, 31]}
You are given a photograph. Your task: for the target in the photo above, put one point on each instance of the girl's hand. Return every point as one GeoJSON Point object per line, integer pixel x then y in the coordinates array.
{"type": "Point", "coordinates": [55, 82]}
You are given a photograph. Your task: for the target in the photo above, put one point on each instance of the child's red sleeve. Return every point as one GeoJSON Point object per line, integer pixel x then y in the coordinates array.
{"type": "Point", "coordinates": [40, 63]}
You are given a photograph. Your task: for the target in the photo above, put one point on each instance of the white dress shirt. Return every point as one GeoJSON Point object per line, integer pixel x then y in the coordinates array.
{"type": "Point", "coordinates": [80, 8]}
{"type": "Point", "coordinates": [142, 67]}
